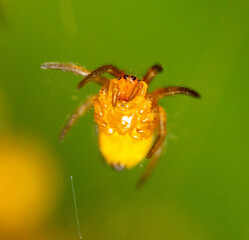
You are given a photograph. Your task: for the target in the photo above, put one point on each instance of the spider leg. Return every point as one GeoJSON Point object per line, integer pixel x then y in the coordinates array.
{"type": "Point", "coordinates": [96, 73]}
{"type": "Point", "coordinates": [171, 91]}
{"type": "Point", "coordinates": [161, 133]}
{"type": "Point", "coordinates": [83, 108]}
{"type": "Point", "coordinates": [140, 89]}
{"type": "Point", "coordinates": [66, 67]}
{"type": "Point", "coordinates": [152, 72]}
{"type": "Point", "coordinates": [149, 168]}
{"type": "Point", "coordinates": [113, 92]}
{"type": "Point", "coordinates": [156, 149]}
{"type": "Point", "coordinates": [74, 69]}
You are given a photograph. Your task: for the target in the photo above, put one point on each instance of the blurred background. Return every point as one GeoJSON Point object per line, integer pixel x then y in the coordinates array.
{"type": "Point", "coordinates": [199, 189]}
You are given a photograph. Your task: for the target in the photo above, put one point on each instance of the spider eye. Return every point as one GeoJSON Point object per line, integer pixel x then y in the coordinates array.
{"type": "Point", "coordinates": [119, 78]}
{"type": "Point", "coordinates": [133, 78]}
{"type": "Point", "coordinates": [125, 76]}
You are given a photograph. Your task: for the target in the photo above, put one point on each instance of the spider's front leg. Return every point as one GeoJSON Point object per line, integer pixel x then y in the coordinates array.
{"type": "Point", "coordinates": [139, 90]}
{"type": "Point", "coordinates": [83, 108]}
{"type": "Point", "coordinates": [152, 72]}
{"type": "Point", "coordinates": [66, 67]}
{"type": "Point", "coordinates": [113, 92]}
{"type": "Point", "coordinates": [106, 68]}
{"type": "Point", "coordinates": [156, 149]}
{"type": "Point", "coordinates": [74, 69]}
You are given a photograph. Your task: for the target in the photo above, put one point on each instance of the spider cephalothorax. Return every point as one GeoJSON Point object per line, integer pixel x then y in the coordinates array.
{"type": "Point", "coordinates": [131, 124]}
{"type": "Point", "coordinates": [126, 85]}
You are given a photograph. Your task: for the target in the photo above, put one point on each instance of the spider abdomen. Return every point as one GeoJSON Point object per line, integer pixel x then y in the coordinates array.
{"type": "Point", "coordinates": [123, 151]}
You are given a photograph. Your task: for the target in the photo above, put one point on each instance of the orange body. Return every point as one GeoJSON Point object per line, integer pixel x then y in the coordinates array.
{"type": "Point", "coordinates": [126, 130]}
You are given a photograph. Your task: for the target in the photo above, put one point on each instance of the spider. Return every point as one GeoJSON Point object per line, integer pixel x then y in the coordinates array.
{"type": "Point", "coordinates": [131, 124]}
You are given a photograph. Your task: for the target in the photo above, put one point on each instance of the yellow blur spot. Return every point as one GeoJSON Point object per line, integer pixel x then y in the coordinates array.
{"type": "Point", "coordinates": [4, 114]}
{"type": "Point", "coordinates": [28, 185]}
{"type": "Point", "coordinates": [123, 149]}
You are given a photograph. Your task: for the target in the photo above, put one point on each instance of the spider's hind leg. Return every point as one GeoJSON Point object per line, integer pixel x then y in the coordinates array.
{"type": "Point", "coordinates": [156, 149]}
{"type": "Point", "coordinates": [161, 133]}
{"type": "Point", "coordinates": [150, 168]}
{"type": "Point", "coordinates": [83, 108]}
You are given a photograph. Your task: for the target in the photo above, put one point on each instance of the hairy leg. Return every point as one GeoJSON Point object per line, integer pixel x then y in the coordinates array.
{"type": "Point", "coordinates": [139, 90]}
{"type": "Point", "coordinates": [66, 67]}
{"type": "Point", "coordinates": [150, 168]}
{"type": "Point", "coordinates": [156, 149]}
{"type": "Point", "coordinates": [113, 92]}
{"type": "Point", "coordinates": [152, 72]}
{"type": "Point", "coordinates": [161, 133]}
{"type": "Point", "coordinates": [83, 108]}
{"type": "Point", "coordinates": [106, 68]}
{"type": "Point", "coordinates": [74, 69]}
{"type": "Point", "coordinates": [171, 91]}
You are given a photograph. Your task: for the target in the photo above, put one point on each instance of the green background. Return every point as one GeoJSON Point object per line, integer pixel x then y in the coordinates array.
{"type": "Point", "coordinates": [199, 189]}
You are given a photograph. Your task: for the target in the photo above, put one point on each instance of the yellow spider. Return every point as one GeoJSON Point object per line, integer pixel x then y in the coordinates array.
{"type": "Point", "coordinates": [131, 124]}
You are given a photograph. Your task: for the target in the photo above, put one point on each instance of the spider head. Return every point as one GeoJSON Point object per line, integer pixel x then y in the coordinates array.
{"type": "Point", "coordinates": [126, 84]}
